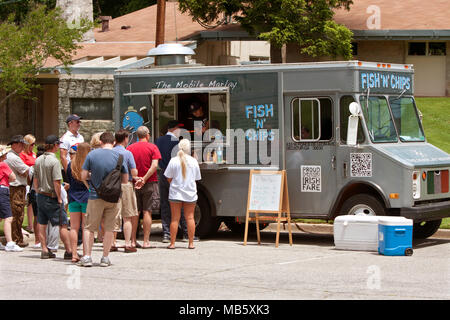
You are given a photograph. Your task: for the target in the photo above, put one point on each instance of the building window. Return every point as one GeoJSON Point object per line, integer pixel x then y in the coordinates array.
{"type": "Point", "coordinates": [427, 49]}
{"type": "Point", "coordinates": [93, 109]}
{"type": "Point", "coordinates": [354, 49]}
{"type": "Point", "coordinates": [437, 49]}
{"type": "Point", "coordinates": [417, 48]}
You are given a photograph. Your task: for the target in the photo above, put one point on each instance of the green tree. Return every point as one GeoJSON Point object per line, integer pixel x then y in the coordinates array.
{"type": "Point", "coordinates": [27, 46]}
{"type": "Point", "coordinates": [307, 23]}
{"type": "Point", "coordinates": [21, 8]}
{"type": "Point", "coordinates": [118, 8]}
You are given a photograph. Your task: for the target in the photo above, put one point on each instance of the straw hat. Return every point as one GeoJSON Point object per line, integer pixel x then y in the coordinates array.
{"type": "Point", "coordinates": [4, 150]}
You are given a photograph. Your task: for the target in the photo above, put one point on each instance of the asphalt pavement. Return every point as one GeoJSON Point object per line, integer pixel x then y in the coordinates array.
{"type": "Point", "coordinates": [222, 268]}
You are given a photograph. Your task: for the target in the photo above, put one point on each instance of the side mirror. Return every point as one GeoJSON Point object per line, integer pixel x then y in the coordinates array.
{"type": "Point", "coordinates": [352, 130]}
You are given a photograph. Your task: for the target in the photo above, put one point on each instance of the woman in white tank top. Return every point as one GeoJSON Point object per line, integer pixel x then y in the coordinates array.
{"type": "Point", "coordinates": [182, 173]}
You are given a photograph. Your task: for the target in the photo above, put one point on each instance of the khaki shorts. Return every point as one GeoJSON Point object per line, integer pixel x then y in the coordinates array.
{"type": "Point", "coordinates": [100, 209]}
{"type": "Point", "coordinates": [127, 205]}
{"type": "Point", "coordinates": [148, 197]}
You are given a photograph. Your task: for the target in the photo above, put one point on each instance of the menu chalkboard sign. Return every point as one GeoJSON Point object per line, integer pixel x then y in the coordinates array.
{"type": "Point", "coordinates": [265, 191]}
{"type": "Point", "coordinates": [268, 199]}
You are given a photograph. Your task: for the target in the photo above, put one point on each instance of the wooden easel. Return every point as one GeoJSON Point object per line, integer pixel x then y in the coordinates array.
{"type": "Point", "coordinates": [270, 215]}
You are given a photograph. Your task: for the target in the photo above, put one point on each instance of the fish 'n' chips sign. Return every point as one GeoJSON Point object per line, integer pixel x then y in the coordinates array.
{"type": "Point", "coordinates": [385, 82]}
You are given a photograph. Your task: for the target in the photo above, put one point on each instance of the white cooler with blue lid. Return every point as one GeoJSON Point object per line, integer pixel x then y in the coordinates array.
{"type": "Point", "coordinates": [395, 236]}
{"type": "Point", "coordinates": [356, 232]}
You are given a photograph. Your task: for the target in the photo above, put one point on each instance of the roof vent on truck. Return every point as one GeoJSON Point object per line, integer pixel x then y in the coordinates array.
{"type": "Point", "coordinates": [170, 54]}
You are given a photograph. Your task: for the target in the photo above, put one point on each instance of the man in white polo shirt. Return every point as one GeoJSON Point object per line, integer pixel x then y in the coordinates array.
{"type": "Point", "coordinates": [70, 138]}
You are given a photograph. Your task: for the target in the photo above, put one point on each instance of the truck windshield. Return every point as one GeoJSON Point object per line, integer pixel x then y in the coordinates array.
{"type": "Point", "coordinates": [406, 119]}
{"type": "Point", "coordinates": [378, 119]}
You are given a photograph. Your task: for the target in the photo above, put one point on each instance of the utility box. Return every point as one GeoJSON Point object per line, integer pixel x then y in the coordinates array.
{"type": "Point", "coordinates": [395, 236]}
{"type": "Point", "coordinates": [356, 232]}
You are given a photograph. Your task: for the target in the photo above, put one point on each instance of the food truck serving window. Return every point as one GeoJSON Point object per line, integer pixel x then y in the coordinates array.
{"type": "Point", "coordinates": [378, 119]}
{"type": "Point", "coordinates": [208, 106]}
{"type": "Point", "coordinates": [312, 119]}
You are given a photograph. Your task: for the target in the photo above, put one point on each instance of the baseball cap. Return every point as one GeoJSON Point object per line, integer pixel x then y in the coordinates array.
{"type": "Point", "coordinates": [16, 139]}
{"type": "Point", "coordinates": [194, 106]}
{"type": "Point", "coordinates": [4, 150]}
{"type": "Point", "coordinates": [174, 123]}
{"type": "Point", "coordinates": [73, 117]}
{"type": "Point", "coordinates": [52, 139]}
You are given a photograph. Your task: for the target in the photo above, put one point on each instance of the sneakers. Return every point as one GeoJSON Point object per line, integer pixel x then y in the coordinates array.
{"type": "Point", "coordinates": [85, 261]}
{"type": "Point", "coordinates": [67, 255]}
{"type": "Point", "coordinates": [2, 247]}
{"type": "Point", "coordinates": [186, 239]}
{"type": "Point", "coordinates": [12, 247]}
{"type": "Point", "coordinates": [166, 238]}
{"type": "Point", "coordinates": [105, 262]}
{"type": "Point", "coordinates": [47, 255]}
{"type": "Point", "coordinates": [37, 246]}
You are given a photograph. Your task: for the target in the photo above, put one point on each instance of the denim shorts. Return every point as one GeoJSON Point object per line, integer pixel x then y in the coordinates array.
{"type": "Point", "coordinates": [50, 210]}
{"type": "Point", "coordinates": [5, 205]}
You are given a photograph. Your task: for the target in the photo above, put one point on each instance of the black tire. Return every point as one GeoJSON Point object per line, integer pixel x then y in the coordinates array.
{"type": "Point", "coordinates": [205, 224]}
{"type": "Point", "coordinates": [425, 229]}
{"type": "Point", "coordinates": [363, 203]}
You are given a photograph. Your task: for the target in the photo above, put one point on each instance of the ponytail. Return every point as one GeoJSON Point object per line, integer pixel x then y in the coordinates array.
{"type": "Point", "coordinates": [185, 148]}
{"type": "Point", "coordinates": [182, 157]}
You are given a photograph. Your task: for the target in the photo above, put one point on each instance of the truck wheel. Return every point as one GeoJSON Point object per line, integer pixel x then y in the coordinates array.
{"type": "Point", "coordinates": [425, 229]}
{"type": "Point", "coordinates": [205, 224]}
{"type": "Point", "coordinates": [364, 204]}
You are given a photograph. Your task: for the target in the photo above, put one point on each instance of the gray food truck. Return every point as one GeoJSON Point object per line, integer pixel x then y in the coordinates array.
{"type": "Point", "coordinates": [295, 117]}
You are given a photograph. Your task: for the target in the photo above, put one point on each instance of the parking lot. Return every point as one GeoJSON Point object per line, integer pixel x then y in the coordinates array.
{"type": "Point", "coordinates": [222, 268]}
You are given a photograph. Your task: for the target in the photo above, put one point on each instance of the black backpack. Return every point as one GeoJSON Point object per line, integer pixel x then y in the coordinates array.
{"type": "Point", "coordinates": [111, 188]}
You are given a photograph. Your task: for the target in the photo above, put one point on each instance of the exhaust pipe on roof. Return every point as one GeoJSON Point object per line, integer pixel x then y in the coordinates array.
{"type": "Point", "coordinates": [170, 54]}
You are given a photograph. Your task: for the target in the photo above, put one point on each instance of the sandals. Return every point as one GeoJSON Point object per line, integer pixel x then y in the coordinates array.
{"type": "Point", "coordinates": [75, 260]}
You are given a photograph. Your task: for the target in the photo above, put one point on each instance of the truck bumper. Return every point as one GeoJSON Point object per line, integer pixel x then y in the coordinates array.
{"type": "Point", "coordinates": [427, 212]}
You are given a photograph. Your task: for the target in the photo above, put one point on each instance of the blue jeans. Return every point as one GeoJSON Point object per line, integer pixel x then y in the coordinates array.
{"type": "Point", "coordinates": [166, 215]}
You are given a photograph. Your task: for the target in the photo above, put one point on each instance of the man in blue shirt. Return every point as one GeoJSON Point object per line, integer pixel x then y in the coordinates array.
{"type": "Point", "coordinates": [127, 204]}
{"type": "Point", "coordinates": [168, 147]}
{"type": "Point", "coordinates": [100, 162]}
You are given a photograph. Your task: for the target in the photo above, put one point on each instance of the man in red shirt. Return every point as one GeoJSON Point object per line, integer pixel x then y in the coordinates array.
{"type": "Point", "coordinates": [146, 155]}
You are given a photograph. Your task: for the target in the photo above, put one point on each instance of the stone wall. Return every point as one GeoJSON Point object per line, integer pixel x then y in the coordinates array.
{"type": "Point", "coordinates": [88, 86]}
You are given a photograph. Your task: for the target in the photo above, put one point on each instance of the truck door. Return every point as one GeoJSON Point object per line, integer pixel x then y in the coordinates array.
{"type": "Point", "coordinates": [310, 154]}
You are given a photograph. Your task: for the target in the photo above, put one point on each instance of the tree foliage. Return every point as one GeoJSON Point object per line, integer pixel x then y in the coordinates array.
{"type": "Point", "coordinates": [27, 46]}
{"type": "Point", "coordinates": [308, 23]}
{"type": "Point", "coordinates": [21, 8]}
{"type": "Point", "coordinates": [118, 8]}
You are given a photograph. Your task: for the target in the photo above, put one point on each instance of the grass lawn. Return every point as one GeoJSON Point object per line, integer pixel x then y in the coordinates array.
{"type": "Point", "coordinates": [436, 121]}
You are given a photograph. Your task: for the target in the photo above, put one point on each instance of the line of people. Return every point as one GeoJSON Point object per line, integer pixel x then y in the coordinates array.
{"type": "Point", "coordinates": [81, 171]}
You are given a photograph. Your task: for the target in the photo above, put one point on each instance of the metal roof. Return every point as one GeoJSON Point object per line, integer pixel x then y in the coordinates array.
{"type": "Point", "coordinates": [107, 65]}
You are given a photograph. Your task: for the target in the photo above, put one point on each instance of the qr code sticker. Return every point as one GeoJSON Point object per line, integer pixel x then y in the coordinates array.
{"type": "Point", "coordinates": [360, 164]}
{"type": "Point", "coordinates": [311, 177]}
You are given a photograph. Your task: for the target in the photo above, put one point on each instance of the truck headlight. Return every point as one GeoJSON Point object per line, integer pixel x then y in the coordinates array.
{"type": "Point", "coordinates": [416, 185]}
